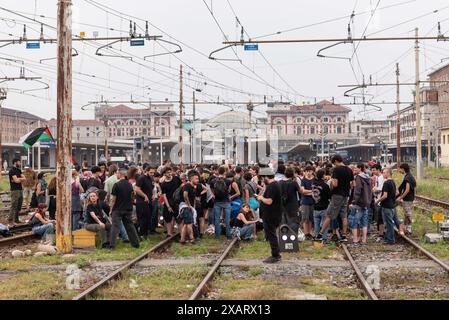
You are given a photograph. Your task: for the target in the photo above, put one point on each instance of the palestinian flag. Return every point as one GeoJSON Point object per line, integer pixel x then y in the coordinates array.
{"type": "Point", "coordinates": [39, 134]}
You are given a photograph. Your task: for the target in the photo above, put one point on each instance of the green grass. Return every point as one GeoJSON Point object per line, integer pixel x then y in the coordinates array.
{"type": "Point", "coordinates": [35, 286]}
{"type": "Point", "coordinates": [259, 248]}
{"type": "Point", "coordinates": [204, 246]}
{"type": "Point", "coordinates": [122, 252]}
{"type": "Point", "coordinates": [254, 287]}
{"type": "Point", "coordinates": [431, 172]}
{"type": "Point", "coordinates": [174, 283]}
{"type": "Point", "coordinates": [422, 224]}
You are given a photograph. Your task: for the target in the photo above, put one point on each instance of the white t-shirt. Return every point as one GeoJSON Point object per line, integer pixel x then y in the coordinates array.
{"type": "Point", "coordinates": [379, 185]}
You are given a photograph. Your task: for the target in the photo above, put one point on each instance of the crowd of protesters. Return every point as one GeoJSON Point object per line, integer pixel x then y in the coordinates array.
{"type": "Point", "coordinates": [328, 201]}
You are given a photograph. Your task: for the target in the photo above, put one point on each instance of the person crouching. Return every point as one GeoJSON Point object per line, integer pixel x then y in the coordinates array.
{"type": "Point", "coordinates": [97, 221]}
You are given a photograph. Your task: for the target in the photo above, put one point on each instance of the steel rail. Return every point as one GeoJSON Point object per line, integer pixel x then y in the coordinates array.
{"type": "Point", "coordinates": [424, 251]}
{"type": "Point", "coordinates": [365, 286]}
{"type": "Point", "coordinates": [439, 203]}
{"type": "Point", "coordinates": [117, 273]}
{"type": "Point", "coordinates": [18, 238]}
{"type": "Point", "coordinates": [199, 291]}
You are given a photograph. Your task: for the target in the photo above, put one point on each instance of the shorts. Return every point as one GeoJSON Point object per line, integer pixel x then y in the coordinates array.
{"type": "Point", "coordinates": [187, 216]}
{"type": "Point", "coordinates": [407, 206]}
{"type": "Point", "coordinates": [338, 207]}
{"type": "Point", "coordinates": [167, 215]}
{"type": "Point", "coordinates": [199, 210]}
{"type": "Point", "coordinates": [307, 213]}
{"type": "Point", "coordinates": [359, 218]}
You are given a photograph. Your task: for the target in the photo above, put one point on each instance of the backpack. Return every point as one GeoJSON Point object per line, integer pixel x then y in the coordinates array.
{"type": "Point", "coordinates": [220, 189]}
{"type": "Point", "coordinates": [178, 195]}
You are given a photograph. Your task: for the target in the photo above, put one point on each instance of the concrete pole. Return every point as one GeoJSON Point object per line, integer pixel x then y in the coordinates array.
{"type": "Point", "coordinates": [398, 119]}
{"type": "Point", "coordinates": [64, 128]}
{"type": "Point", "coordinates": [419, 169]}
{"type": "Point", "coordinates": [39, 151]}
{"type": "Point", "coordinates": [181, 110]}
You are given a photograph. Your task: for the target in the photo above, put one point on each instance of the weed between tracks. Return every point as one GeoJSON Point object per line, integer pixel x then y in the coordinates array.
{"type": "Point", "coordinates": [259, 249]}
{"type": "Point", "coordinates": [172, 283]}
{"type": "Point", "coordinates": [319, 286]}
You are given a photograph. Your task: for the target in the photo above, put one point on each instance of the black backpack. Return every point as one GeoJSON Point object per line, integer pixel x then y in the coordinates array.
{"type": "Point", "coordinates": [178, 195]}
{"type": "Point", "coordinates": [220, 189]}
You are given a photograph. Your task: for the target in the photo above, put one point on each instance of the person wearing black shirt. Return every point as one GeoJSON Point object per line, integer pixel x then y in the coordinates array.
{"type": "Point", "coordinates": [341, 183]}
{"type": "Point", "coordinates": [321, 194]}
{"type": "Point", "coordinates": [168, 187]}
{"type": "Point", "coordinates": [221, 188]}
{"type": "Point", "coordinates": [388, 204]}
{"type": "Point", "coordinates": [407, 195]}
{"type": "Point", "coordinates": [96, 219]}
{"type": "Point", "coordinates": [144, 205]}
{"type": "Point", "coordinates": [121, 210]}
{"type": "Point", "coordinates": [189, 196]}
{"type": "Point", "coordinates": [16, 178]}
{"type": "Point", "coordinates": [290, 190]}
{"type": "Point", "coordinates": [270, 207]}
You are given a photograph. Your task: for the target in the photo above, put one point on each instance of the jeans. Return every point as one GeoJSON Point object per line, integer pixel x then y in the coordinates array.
{"type": "Point", "coordinates": [122, 232]}
{"type": "Point", "coordinates": [218, 207]}
{"type": "Point", "coordinates": [76, 215]}
{"type": "Point", "coordinates": [44, 229]}
{"type": "Point", "coordinates": [123, 217]}
{"type": "Point", "coordinates": [391, 220]}
{"type": "Point", "coordinates": [16, 205]}
{"type": "Point", "coordinates": [246, 232]}
{"type": "Point", "coordinates": [318, 219]}
{"type": "Point", "coordinates": [103, 233]}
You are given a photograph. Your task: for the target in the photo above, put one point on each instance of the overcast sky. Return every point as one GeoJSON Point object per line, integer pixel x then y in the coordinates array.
{"type": "Point", "coordinates": [298, 75]}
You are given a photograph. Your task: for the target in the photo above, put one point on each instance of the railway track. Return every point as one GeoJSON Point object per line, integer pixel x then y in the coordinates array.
{"type": "Point", "coordinates": [199, 292]}
{"type": "Point", "coordinates": [118, 273]}
{"type": "Point", "coordinates": [363, 281]}
{"type": "Point", "coordinates": [203, 286]}
{"type": "Point", "coordinates": [21, 238]}
{"type": "Point", "coordinates": [433, 202]}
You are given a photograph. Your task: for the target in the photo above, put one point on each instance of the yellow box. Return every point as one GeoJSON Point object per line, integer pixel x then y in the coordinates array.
{"type": "Point", "coordinates": [318, 244]}
{"type": "Point", "coordinates": [84, 239]}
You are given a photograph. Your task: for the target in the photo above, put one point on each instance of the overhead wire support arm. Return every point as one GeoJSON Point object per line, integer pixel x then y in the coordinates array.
{"type": "Point", "coordinates": [440, 38]}
{"type": "Point", "coordinates": [223, 59]}
{"type": "Point", "coordinates": [349, 40]}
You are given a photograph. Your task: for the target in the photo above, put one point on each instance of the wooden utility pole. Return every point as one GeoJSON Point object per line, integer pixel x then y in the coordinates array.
{"type": "Point", "coordinates": [398, 119]}
{"type": "Point", "coordinates": [419, 172]}
{"type": "Point", "coordinates": [181, 111]}
{"type": "Point", "coordinates": [64, 128]}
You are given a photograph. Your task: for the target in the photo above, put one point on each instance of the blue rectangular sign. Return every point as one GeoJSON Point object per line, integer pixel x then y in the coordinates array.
{"type": "Point", "coordinates": [251, 47]}
{"type": "Point", "coordinates": [33, 45]}
{"type": "Point", "coordinates": [137, 43]}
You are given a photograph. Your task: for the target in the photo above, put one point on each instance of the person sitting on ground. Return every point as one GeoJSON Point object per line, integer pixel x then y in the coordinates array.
{"type": "Point", "coordinates": [39, 223]}
{"type": "Point", "coordinates": [97, 221]}
{"type": "Point", "coordinates": [246, 223]}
